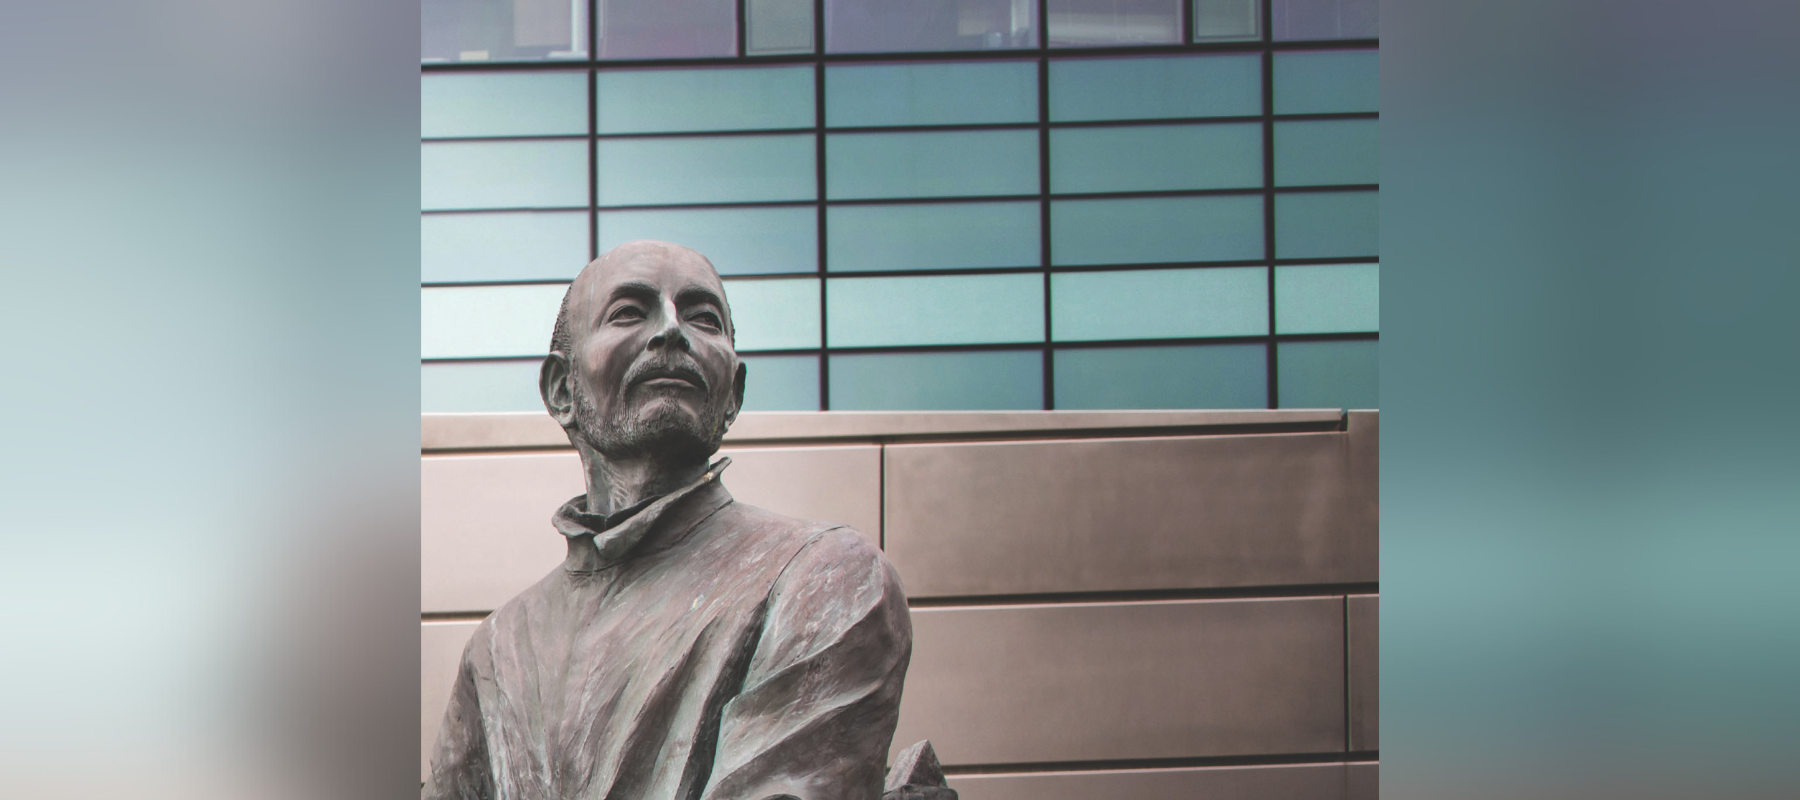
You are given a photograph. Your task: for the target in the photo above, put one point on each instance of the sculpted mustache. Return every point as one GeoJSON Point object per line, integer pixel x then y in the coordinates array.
{"type": "Point", "coordinates": [665, 369]}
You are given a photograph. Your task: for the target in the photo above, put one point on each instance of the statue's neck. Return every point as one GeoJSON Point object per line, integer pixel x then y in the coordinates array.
{"type": "Point", "coordinates": [615, 482]}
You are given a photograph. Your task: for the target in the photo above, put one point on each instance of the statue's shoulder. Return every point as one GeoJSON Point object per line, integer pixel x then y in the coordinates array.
{"type": "Point", "coordinates": [814, 535]}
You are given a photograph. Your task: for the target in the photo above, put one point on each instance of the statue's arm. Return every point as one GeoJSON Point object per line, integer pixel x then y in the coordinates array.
{"type": "Point", "coordinates": [821, 695]}
{"type": "Point", "coordinates": [459, 762]}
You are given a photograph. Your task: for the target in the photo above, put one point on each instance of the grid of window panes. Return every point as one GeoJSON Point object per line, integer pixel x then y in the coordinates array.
{"type": "Point", "coordinates": [951, 204]}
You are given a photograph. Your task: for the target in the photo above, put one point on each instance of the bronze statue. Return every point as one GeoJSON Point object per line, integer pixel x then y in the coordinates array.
{"type": "Point", "coordinates": [690, 647]}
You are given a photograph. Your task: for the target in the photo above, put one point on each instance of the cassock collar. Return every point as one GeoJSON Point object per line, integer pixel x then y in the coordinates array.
{"type": "Point", "coordinates": [599, 541]}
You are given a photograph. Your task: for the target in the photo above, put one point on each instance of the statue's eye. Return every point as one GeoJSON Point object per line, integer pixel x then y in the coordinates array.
{"type": "Point", "coordinates": [707, 319]}
{"type": "Point", "coordinates": [626, 313]}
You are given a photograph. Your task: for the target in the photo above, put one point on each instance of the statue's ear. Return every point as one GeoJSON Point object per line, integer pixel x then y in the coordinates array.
{"type": "Point", "coordinates": [737, 393]}
{"type": "Point", "coordinates": [556, 383]}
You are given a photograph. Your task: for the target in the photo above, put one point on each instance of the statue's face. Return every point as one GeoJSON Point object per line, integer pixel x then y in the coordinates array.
{"type": "Point", "coordinates": [653, 363]}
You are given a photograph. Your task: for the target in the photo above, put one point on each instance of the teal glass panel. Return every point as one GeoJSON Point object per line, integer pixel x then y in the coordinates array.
{"type": "Point", "coordinates": [1102, 23]}
{"type": "Point", "coordinates": [1328, 298]}
{"type": "Point", "coordinates": [501, 30]}
{"type": "Point", "coordinates": [955, 309]}
{"type": "Point", "coordinates": [781, 383]}
{"type": "Point", "coordinates": [1326, 82]}
{"type": "Point", "coordinates": [532, 174]}
{"type": "Point", "coordinates": [671, 100]}
{"type": "Point", "coordinates": [774, 314]}
{"type": "Point", "coordinates": [932, 236]}
{"type": "Point", "coordinates": [487, 321]}
{"type": "Point", "coordinates": [1326, 19]}
{"type": "Point", "coordinates": [1326, 152]}
{"type": "Point", "coordinates": [502, 246]}
{"type": "Point", "coordinates": [931, 94]}
{"type": "Point", "coordinates": [463, 387]}
{"type": "Point", "coordinates": [1205, 376]}
{"type": "Point", "coordinates": [1156, 230]}
{"type": "Point", "coordinates": [779, 26]}
{"type": "Point", "coordinates": [1155, 88]}
{"type": "Point", "coordinates": [1227, 20]}
{"type": "Point", "coordinates": [706, 169]}
{"type": "Point", "coordinates": [1159, 304]}
{"type": "Point", "coordinates": [503, 104]}
{"type": "Point", "coordinates": [738, 241]}
{"type": "Point", "coordinates": [886, 26]}
{"type": "Point", "coordinates": [981, 381]}
{"type": "Point", "coordinates": [631, 29]}
{"type": "Point", "coordinates": [1328, 374]}
{"type": "Point", "coordinates": [1326, 225]}
{"type": "Point", "coordinates": [1156, 158]}
{"type": "Point", "coordinates": [938, 164]}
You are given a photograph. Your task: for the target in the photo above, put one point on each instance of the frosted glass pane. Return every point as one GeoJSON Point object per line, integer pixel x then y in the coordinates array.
{"type": "Point", "coordinates": [471, 175]}
{"type": "Point", "coordinates": [463, 387]}
{"type": "Point", "coordinates": [1153, 231]}
{"type": "Point", "coordinates": [1156, 157]}
{"type": "Point", "coordinates": [1326, 152]}
{"type": "Point", "coordinates": [1098, 23]}
{"type": "Point", "coordinates": [1326, 225]}
{"type": "Point", "coordinates": [774, 314]}
{"type": "Point", "coordinates": [1208, 376]}
{"type": "Point", "coordinates": [1328, 374]}
{"type": "Point", "coordinates": [983, 381]}
{"type": "Point", "coordinates": [931, 94]}
{"type": "Point", "coordinates": [738, 241]}
{"type": "Point", "coordinates": [932, 236]}
{"type": "Point", "coordinates": [487, 321]}
{"type": "Point", "coordinates": [502, 30]}
{"type": "Point", "coordinates": [958, 309]}
{"type": "Point", "coordinates": [1155, 88]}
{"type": "Point", "coordinates": [947, 164]}
{"type": "Point", "coordinates": [1159, 304]}
{"type": "Point", "coordinates": [1227, 20]}
{"type": "Point", "coordinates": [781, 383]}
{"type": "Point", "coordinates": [502, 246]}
{"type": "Point", "coordinates": [1326, 19]}
{"type": "Point", "coordinates": [1327, 82]}
{"type": "Point", "coordinates": [885, 26]}
{"type": "Point", "coordinates": [666, 28]}
{"type": "Point", "coordinates": [671, 100]}
{"type": "Point", "coordinates": [721, 169]}
{"type": "Point", "coordinates": [1328, 298]}
{"type": "Point", "coordinates": [779, 26]}
{"type": "Point", "coordinates": [503, 104]}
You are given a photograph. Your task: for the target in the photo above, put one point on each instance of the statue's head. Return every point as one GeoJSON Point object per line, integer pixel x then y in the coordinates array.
{"type": "Point", "coordinates": [642, 362]}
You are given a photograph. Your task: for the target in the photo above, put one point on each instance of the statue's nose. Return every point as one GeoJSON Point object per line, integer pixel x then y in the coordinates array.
{"type": "Point", "coordinates": [670, 335]}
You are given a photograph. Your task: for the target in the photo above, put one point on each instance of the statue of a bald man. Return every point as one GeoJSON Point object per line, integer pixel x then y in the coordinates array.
{"type": "Point", "coordinates": [690, 646]}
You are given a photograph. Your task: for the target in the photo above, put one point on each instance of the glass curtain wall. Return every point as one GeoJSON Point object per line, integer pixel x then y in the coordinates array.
{"type": "Point", "coordinates": [949, 204]}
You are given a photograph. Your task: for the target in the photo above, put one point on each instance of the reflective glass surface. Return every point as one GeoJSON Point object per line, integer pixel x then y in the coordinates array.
{"type": "Point", "coordinates": [706, 169]}
{"type": "Point", "coordinates": [930, 94]}
{"type": "Point", "coordinates": [1326, 152]}
{"type": "Point", "coordinates": [1159, 304]}
{"type": "Point", "coordinates": [502, 30]}
{"type": "Point", "coordinates": [1326, 19]}
{"type": "Point", "coordinates": [970, 381]}
{"type": "Point", "coordinates": [885, 26]}
{"type": "Point", "coordinates": [1204, 376]}
{"type": "Point", "coordinates": [1327, 82]}
{"type": "Point", "coordinates": [526, 174]}
{"type": "Point", "coordinates": [502, 246]}
{"type": "Point", "coordinates": [487, 321]}
{"type": "Point", "coordinates": [933, 164]}
{"type": "Point", "coordinates": [1328, 298]}
{"type": "Point", "coordinates": [462, 387]}
{"type": "Point", "coordinates": [1326, 225]}
{"type": "Point", "coordinates": [666, 28]}
{"type": "Point", "coordinates": [1329, 374]}
{"type": "Point", "coordinates": [1156, 157]}
{"type": "Point", "coordinates": [738, 241]}
{"type": "Point", "coordinates": [1156, 230]}
{"type": "Point", "coordinates": [954, 309]}
{"type": "Point", "coordinates": [1098, 23]}
{"type": "Point", "coordinates": [779, 26]}
{"type": "Point", "coordinates": [932, 236]}
{"type": "Point", "coordinates": [503, 104]}
{"type": "Point", "coordinates": [673, 100]}
{"type": "Point", "coordinates": [781, 383]}
{"type": "Point", "coordinates": [1160, 87]}
{"type": "Point", "coordinates": [1227, 20]}
{"type": "Point", "coordinates": [774, 313]}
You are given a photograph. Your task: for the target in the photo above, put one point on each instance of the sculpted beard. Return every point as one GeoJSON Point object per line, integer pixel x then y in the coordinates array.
{"type": "Point", "coordinates": [664, 428]}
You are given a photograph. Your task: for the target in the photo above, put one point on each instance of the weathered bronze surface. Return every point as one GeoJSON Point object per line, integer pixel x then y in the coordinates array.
{"type": "Point", "coordinates": [690, 646]}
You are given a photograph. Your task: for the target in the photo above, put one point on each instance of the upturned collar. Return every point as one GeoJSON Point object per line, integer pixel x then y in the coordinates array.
{"type": "Point", "coordinates": [599, 541]}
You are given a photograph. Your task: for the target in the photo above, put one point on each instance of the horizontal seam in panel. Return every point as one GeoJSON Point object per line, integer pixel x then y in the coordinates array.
{"type": "Point", "coordinates": [1279, 759]}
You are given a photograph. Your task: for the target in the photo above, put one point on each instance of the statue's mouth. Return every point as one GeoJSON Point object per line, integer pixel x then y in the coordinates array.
{"type": "Point", "coordinates": [670, 376]}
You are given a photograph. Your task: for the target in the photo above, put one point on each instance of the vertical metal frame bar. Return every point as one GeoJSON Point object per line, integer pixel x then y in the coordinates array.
{"type": "Point", "coordinates": [1272, 351]}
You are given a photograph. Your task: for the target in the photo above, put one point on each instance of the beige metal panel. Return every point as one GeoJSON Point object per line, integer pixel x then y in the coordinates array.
{"type": "Point", "coordinates": [1362, 617]}
{"type": "Point", "coordinates": [1125, 514]}
{"type": "Point", "coordinates": [1364, 428]}
{"type": "Point", "coordinates": [521, 430]}
{"type": "Point", "coordinates": [485, 530]}
{"type": "Point", "coordinates": [1291, 782]}
{"type": "Point", "coordinates": [1362, 781]}
{"type": "Point", "coordinates": [1103, 681]}
{"type": "Point", "coordinates": [440, 651]}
